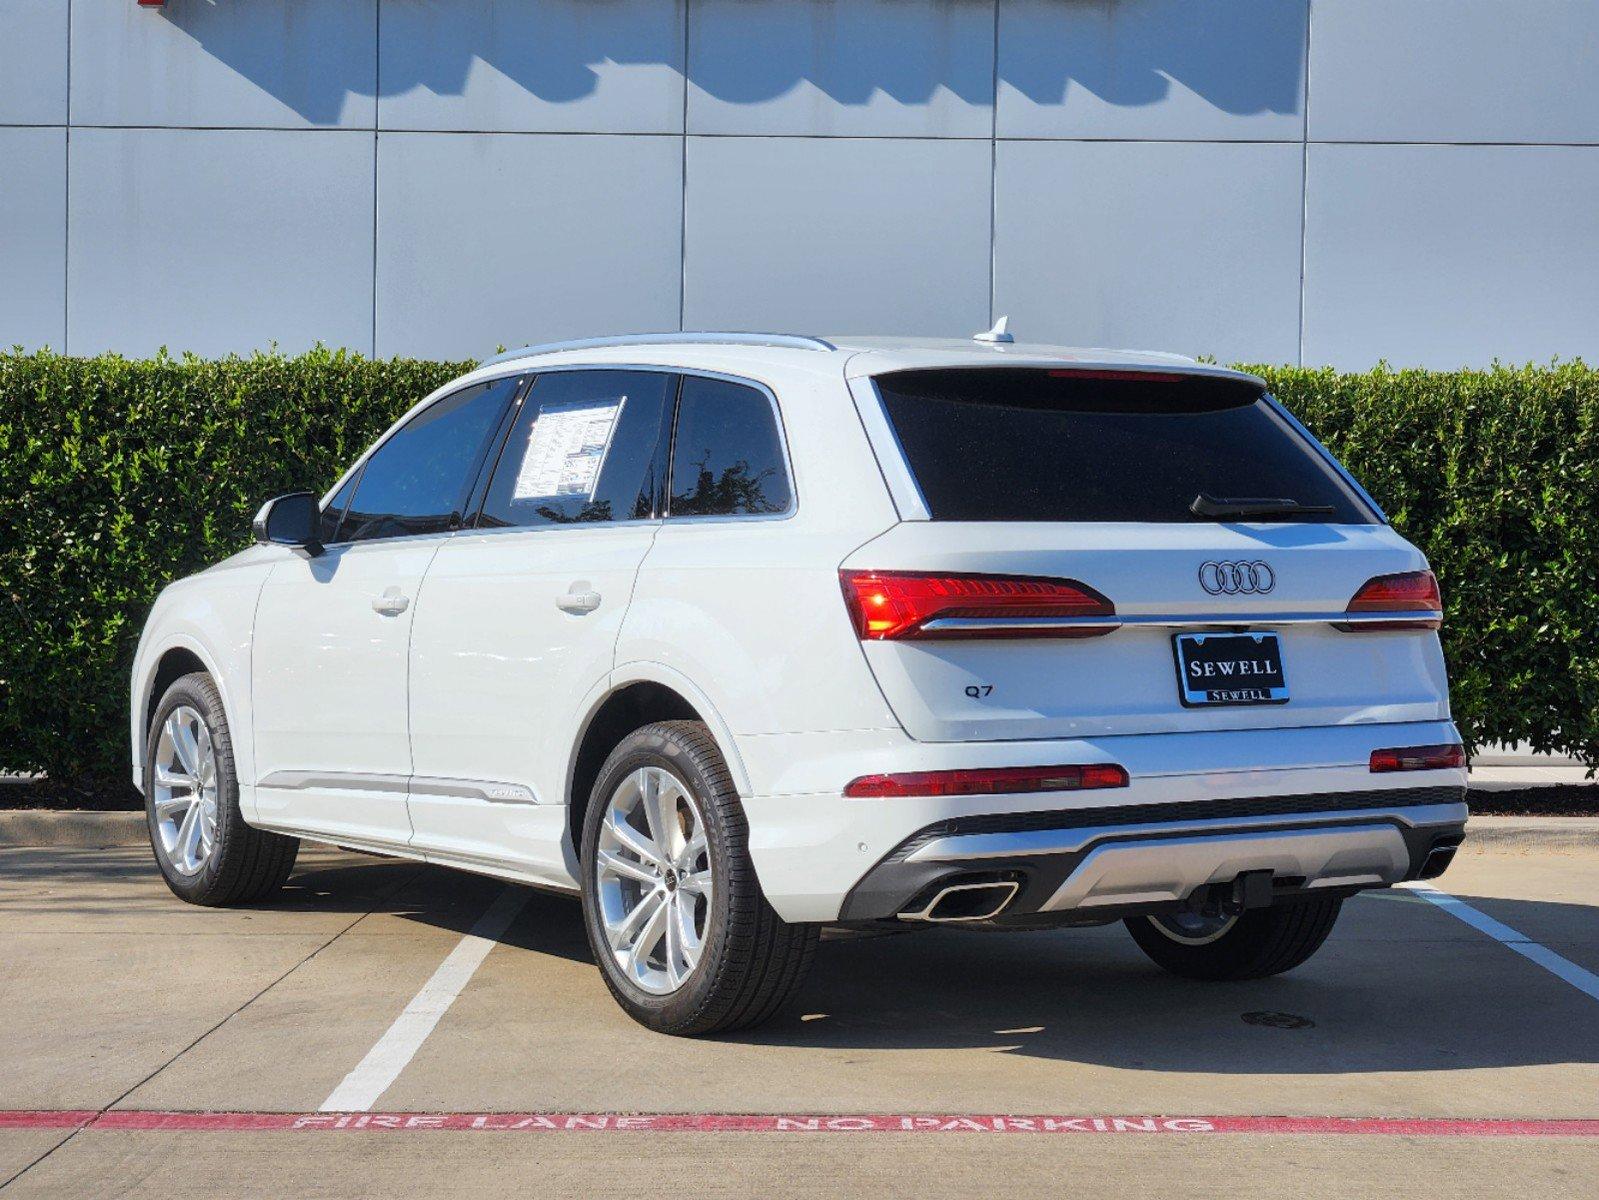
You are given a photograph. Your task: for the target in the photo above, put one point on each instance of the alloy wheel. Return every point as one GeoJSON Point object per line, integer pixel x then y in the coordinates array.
{"type": "Point", "coordinates": [185, 793]}
{"type": "Point", "coordinates": [653, 874]}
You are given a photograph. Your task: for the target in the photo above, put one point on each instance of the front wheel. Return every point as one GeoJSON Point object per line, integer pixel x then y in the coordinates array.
{"type": "Point", "coordinates": [206, 852]}
{"type": "Point", "coordinates": [1250, 945]}
{"type": "Point", "coordinates": [675, 917]}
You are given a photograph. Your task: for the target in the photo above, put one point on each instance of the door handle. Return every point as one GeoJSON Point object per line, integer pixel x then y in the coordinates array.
{"type": "Point", "coordinates": [578, 602]}
{"type": "Point", "coordinates": [391, 603]}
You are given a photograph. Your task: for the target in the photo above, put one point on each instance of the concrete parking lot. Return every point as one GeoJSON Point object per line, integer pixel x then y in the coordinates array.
{"type": "Point", "coordinates": [151, 1048]}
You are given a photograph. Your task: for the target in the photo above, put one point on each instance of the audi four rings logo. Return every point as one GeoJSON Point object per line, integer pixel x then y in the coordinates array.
{"type": "Point", "coordinates": [1236, 578]}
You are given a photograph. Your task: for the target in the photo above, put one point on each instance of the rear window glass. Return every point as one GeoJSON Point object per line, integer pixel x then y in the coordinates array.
{"type": "Point", "coordinates": [1040, 445]}
{"type": "Point", "coordinates": [727, 457]}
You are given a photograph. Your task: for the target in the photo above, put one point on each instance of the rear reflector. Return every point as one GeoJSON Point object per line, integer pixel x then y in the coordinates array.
{"type": "Point", "coordinates": [892, 605]}
{"type": "Point", "coordinates": [1419, 758]}
{"type": "Point", "coordinates": [1412, 591]}
{"type": "Point", "coordinates": [989, 781]}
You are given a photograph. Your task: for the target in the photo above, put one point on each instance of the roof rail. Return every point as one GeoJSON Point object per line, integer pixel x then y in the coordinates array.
{"type": "Point", "coordinates": [791, 341]}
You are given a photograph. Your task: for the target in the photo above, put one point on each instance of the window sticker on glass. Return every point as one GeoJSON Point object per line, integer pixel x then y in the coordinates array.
{"type": "Point", "coordinates": [566, 450]}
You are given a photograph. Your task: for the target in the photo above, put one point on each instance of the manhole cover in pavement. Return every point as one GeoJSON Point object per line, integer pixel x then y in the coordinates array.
{"type": "Point", "coordinates": [1278, 1020]}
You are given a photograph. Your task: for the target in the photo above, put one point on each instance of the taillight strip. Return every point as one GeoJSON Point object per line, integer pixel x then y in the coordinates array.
{"type": "Point", "coordinates": [1405, 600]}
{"type": "Point", "coordinates": [913, 605]}
{"type": "Point", "coordinates": [1445, 756]}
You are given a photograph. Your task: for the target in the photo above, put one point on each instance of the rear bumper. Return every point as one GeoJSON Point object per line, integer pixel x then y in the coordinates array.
{"type": "Point", "coordinates": [1302, 803]}
{"type": "Point", "coordinates": [1064, 869]}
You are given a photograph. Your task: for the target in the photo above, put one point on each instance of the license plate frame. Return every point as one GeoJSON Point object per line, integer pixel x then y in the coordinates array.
{"type": "Point", "coordinates": [1251, 654]}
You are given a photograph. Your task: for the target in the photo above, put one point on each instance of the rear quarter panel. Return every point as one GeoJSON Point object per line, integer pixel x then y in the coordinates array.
{"type": "Point", "coordinates": [749, 608]}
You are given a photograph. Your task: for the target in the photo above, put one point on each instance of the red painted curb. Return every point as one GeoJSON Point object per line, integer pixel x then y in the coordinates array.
{"type": "Point", "coordinates": [52, 1118]}
{"type": "Point", "coordinates": [393, 1122]}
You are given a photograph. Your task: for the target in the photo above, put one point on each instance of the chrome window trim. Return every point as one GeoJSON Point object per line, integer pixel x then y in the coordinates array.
{"type": "Point", "coordinates": [554, 527]}
{"type": "Point", "coordinates": [398, 539]}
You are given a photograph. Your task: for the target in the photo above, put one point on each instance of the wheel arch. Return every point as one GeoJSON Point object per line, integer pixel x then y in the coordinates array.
{"type": "Point", "coordinates": [173, 665]}
{"type": "Point", "coordinates": [639, 695]}
{"type": "Point", "coordinates": [181, 656]}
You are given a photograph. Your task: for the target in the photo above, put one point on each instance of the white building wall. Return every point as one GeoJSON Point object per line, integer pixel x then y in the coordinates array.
{"type": "Point", "coordinates": [1326, 181]}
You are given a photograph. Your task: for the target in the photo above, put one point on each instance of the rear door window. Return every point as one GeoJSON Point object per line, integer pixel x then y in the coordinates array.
{"type": "Point", "coordinates": [587, 446]}
{"type": "Point", "coordinates": [727, 454]}
{"type": "Point", "coordinates": [417, 481]}
{"type": "Point", "coordinates": [1041, 445]}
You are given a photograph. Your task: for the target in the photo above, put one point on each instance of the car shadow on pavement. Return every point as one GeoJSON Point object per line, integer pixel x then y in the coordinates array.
{"type": "Point", "coordinates": [1399, 986]}
{"type": "Point", "coordinates": [438, 896]}
{"type": "Point", "coordinates": [87, 882]}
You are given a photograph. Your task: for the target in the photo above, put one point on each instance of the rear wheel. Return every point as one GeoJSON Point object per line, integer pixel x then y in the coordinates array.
{"type": "Point", "coordinates": [206, 852]}
{"type": "Point", "coordinates": [1250, 945]}
{"type": "Point", "coordinates": [675, 917]}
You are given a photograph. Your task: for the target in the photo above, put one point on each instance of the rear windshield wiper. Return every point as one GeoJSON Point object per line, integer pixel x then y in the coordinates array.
{"type": "Point", "coordinates": [1238, 509]}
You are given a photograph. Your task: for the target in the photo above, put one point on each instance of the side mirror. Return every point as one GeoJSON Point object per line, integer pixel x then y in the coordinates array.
{"type": "Point", "coordinates": [291, 520]}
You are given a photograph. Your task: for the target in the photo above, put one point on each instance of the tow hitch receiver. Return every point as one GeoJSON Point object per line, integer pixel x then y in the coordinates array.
{"type": "Point", "coordinates": [1252, 889]}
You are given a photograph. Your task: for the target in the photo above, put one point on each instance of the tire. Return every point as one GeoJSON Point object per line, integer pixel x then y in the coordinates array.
{"type": "Point", "coordinates": [1258, 943]}
{"type": "Point", "coordinates": [236, 864]}
{"type": "Point", "coordinates": [748, 961]}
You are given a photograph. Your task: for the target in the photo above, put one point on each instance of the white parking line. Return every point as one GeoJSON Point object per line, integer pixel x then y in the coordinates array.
{"type": "Point", "coordinates": [1583, 980]}
{"type": "Point", "coordinates": [383, 1063]}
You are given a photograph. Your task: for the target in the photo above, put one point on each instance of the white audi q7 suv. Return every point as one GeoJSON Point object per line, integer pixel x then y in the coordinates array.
{"type": "Point", "coordinates": [739, 636]}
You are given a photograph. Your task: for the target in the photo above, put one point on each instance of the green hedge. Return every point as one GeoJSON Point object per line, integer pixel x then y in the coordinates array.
{"type": "Point", "coordinates": [121, 475]}
{"type": "Point", "coordinates": [1495, 476]}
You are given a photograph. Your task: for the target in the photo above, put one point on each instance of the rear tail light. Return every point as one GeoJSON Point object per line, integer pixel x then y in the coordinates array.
{"type": "Point", "coordinates": [1410, 592]}
{"type": "Point", "coordinates": [988, 781]}
{"type": "Point", "coordinates": [1419, 758]}
{"type": "Point", "coordinates": [894, 605]}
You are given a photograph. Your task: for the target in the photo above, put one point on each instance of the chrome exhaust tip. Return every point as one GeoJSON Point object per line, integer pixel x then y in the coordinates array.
{"type": "Point", "coordinates": [966, 902]}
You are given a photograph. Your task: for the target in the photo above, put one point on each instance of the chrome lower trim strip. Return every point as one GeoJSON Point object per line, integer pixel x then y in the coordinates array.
{"type": "Point", "coordinates": [494, 791]}
{"type": "Point", "coordinates": [336, 781]}
{"type": "Point", "coordinates": [1164, 621]}
{"type": "Point", "coordinates": [1070, 841]}
{"type": "Point", "coordinates": [521, 873]}
{"type": "Point", "coordinates": [472, 789]}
